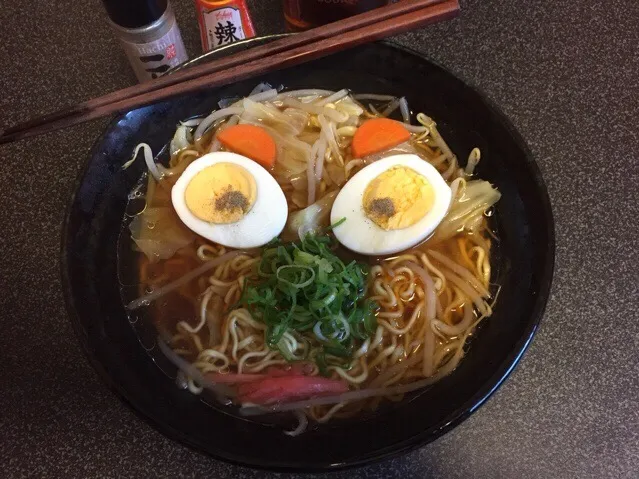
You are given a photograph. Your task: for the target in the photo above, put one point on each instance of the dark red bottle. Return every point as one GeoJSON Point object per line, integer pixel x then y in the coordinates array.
{"type": "Point", "coordinates": [305, 14]}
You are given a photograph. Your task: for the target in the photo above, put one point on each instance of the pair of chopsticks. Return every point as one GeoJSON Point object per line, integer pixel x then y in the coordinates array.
{"type": "Point", "coordinates": [286, 52]}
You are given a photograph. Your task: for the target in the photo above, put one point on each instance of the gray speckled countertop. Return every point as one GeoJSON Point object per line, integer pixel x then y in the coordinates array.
{"type": "Point", "coordinates": [565, 72]}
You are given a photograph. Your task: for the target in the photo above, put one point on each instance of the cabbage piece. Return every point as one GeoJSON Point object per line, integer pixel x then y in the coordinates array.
{"type": "Point", "coordinates": [260, 88]}
{"type": "Point", "coordinates": [309, 137]}
{"type": "Point", "coordinates": [285, 123]}
{"type": "Point", "coordinates": [180, 140]}
{"type": "Point", "coordinates": [309, 219]}
{"type": "Point", "coordinates": [299, 181]}
{"type": "Point", "coordinates": [335, 173]}
{"type": "Point", "coordinates": [401, 149]}
{"type": "Point", "coordinates": [227, 102]}
{"type": "Point", "coordinates": [159, 233]}
{"type": "Point", "coordinates": [291, 162]}
{"type": "Point", "coordinates": [467, 211]}
{"type": "Point", "coordinates": [299, 118]}
{"type": "Point", "coordinates": [348, 106]}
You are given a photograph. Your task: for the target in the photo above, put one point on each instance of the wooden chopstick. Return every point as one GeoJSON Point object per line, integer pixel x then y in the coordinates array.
{"type": "Point", "coordinates": [288, 52]}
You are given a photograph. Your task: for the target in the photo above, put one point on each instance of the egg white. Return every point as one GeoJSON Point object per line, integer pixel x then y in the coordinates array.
{"type": "Point", "coordinates": [360, 234]}
{"type": "Point", "coordinates": [264, 221]}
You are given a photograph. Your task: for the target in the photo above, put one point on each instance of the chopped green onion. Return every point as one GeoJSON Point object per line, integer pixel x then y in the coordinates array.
{"type": "Point", "coordinates": [305, 289]}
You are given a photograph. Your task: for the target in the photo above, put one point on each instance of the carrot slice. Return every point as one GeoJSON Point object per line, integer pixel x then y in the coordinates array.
{"type": "Point", "coordinates": [377, 135]}
{"type": "Point", "coordinates": [251, 141]}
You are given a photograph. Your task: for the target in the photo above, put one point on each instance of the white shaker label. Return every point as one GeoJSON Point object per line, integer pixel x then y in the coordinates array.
{"type": "Point", "coordinates": [223, 26]}
{"type": "Point", "coordinates": [150, 60]}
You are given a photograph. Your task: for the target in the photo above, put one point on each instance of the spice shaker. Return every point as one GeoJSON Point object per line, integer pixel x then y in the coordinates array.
{"type": "Point", "coordinates": [223, 22]}
{"type": "Point", "coordinates": [149, 35]}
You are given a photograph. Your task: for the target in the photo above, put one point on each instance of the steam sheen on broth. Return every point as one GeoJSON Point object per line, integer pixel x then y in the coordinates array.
{"type": "Point", "coordinates": [404, 328]}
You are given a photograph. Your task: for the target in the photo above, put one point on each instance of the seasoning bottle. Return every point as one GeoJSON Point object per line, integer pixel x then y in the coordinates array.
{"type": "Point", "coordinates": [149, 35]}
{"type": "Point", "coordinates": [223, 22]}
{"type": "Point", "coordinates": [305, 14]}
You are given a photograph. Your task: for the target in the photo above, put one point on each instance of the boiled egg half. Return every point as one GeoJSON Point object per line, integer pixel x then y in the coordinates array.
{"type": "Point", "coordinates": [231, 200]}
{"type": "Point", "coordinates": [390, 205]}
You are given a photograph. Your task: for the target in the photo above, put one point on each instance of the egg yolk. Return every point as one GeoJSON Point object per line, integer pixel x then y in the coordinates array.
{"type": "Point", "coordinates": [398, 198]}
{"type": "Point", "coordinates": [221, 193]}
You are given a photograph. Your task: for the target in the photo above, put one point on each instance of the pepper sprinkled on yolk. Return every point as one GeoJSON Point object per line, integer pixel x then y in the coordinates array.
{"type": "Point", "coordinates": [398, 198]}
{"type": "Point", "coordinates": [221, 193]}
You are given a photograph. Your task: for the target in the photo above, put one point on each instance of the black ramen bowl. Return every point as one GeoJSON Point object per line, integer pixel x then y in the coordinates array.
{"type": "Point", "coordinates": [523, 265]}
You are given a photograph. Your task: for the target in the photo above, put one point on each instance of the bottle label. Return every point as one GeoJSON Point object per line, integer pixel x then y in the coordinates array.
{"type": "Point", "coordinates": [150, 60]}
{"type": "Point", "coordinates": [223, 25]}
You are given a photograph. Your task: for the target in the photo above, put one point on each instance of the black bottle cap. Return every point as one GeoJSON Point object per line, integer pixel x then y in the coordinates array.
{"type": "Point", "coordinates": [134, 13]}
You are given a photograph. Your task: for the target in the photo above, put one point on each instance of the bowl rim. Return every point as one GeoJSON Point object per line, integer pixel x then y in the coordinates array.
{"type": "Point", "coordinates": [502, 371]}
